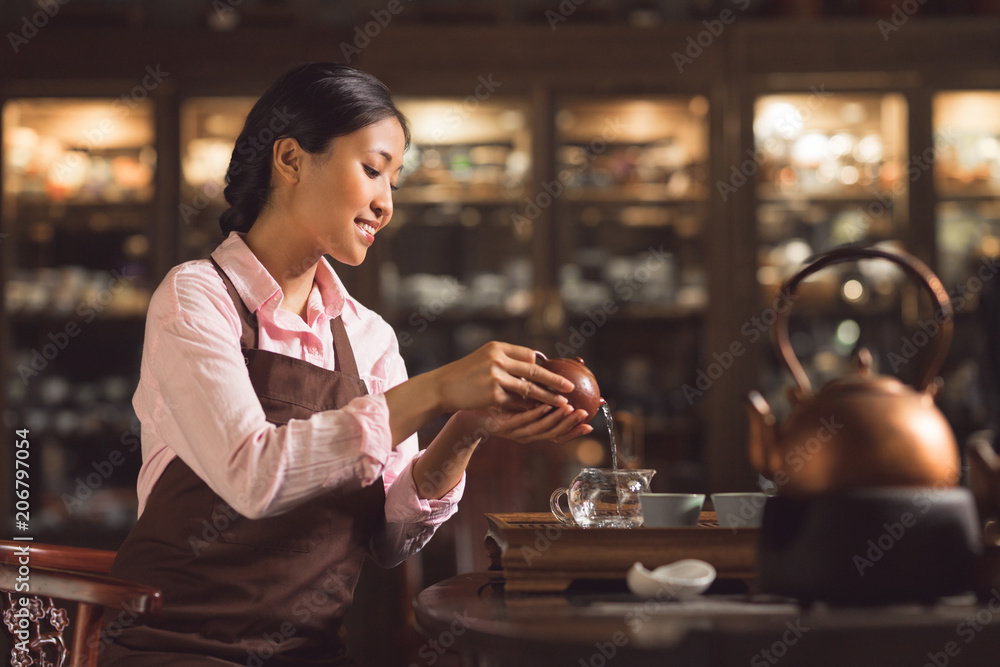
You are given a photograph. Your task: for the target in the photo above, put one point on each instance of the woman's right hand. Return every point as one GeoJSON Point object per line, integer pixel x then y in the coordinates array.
{"type": "Point", "coordinates": [498, 375]}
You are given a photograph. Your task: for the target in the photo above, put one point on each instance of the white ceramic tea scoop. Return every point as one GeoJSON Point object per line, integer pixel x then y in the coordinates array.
{"type": "Point", "coordinates": [682, 580]}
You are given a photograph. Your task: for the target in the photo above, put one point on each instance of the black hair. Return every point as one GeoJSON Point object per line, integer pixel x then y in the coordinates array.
{"type": "Point", "coordinates": [313, 104]}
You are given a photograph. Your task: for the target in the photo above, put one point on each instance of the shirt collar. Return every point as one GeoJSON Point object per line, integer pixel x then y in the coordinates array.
{"type": "Point", "coordinates": [336, 300]}
{"type": "Point", "coordinates": [256, 286]}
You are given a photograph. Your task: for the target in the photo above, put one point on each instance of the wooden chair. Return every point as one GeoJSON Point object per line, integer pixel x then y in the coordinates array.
{"type": "Point", "coordinates": [72, 574]}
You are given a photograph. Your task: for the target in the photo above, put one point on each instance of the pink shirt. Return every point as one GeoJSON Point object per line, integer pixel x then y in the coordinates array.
{"type": "Point", "coordinates": [195, 400]}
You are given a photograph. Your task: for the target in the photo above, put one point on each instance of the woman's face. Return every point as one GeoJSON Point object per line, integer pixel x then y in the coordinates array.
{"type": "Point", "coordinates": [344, 196]}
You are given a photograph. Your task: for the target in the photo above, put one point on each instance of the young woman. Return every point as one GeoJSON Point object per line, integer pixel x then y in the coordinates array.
{"type": "Point", "coordinates": [277, 419]}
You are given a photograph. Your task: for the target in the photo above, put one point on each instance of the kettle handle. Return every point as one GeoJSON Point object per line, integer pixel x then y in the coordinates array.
{"type": "Point", "coordinates": [847, 253]}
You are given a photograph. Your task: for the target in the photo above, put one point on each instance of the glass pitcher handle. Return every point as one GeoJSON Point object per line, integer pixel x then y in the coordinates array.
{"type": "Point", "coordinates": [557, 511]}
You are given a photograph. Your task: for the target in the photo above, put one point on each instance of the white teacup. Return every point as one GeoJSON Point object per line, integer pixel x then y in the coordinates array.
{"type": "Point", "coordinates": [739, 510]}
{"type": "Point", "coordinates": [661, 510]}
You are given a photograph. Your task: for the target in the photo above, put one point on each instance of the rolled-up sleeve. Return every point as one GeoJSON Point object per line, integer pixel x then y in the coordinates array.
{"type": "Point", "coordinates": [410, 520]}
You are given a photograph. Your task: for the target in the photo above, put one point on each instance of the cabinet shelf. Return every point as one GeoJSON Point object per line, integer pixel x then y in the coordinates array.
{"type": "Point", "coordinates": [28, 201]}
{"type": "Point", "coordinates": [629, 313]}
{"type": "Point", "coordinates": [651, 195]}
{"type": "Point", "coordinates": [46, 319]}
{"type": "Point", "coordinates": [87, 217]}
{"type": "Point", "coordinates": [968, 197]}
{"type": "Point", "coordinates": [800, 198]}
{"type": "Point", "coordinates": [451, 195]}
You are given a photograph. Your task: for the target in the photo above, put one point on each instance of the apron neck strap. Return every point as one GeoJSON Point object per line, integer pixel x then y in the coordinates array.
{"type": "Point", "coordinates": [343, 353]}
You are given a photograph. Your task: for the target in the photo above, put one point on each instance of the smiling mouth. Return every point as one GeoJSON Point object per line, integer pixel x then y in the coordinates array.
{"type": "Point", "coordinates": [367, 226]}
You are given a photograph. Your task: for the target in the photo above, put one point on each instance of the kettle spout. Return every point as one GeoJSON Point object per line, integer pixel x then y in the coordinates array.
{"type": "Point", "coordinates": [762, 443]}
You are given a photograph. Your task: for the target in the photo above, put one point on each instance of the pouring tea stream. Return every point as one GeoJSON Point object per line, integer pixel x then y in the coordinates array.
{"type": "Point", "coordinates": [586, 395]}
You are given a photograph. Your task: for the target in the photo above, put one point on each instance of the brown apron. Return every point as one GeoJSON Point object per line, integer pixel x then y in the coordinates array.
{"type": "Point", "coordinates": [270, 591]}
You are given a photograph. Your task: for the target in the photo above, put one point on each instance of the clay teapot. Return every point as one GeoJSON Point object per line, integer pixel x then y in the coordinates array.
{"type": "Point", "coordinates": [586, 395]}
{"type": "Point", "coordinates": [864, 429]}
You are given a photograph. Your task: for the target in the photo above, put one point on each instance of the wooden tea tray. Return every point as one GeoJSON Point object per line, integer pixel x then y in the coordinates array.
{"type": "Point", "coordinates": [536, 553]}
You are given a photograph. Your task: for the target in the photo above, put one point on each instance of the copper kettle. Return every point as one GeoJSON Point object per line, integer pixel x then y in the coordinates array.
{"type": "Point", "coordinates": [864, 429]}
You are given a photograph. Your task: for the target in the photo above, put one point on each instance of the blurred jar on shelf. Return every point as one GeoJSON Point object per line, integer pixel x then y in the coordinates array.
{"type": "Point", "coordinates": [78, 150]}
{"type": "Point", "coordinates": [827, 144]}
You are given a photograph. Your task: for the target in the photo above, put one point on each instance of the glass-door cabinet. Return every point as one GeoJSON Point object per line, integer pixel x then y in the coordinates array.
{"type": "Point", "coordinates": [631, 200]}
{"type": "Point", "coordinates": [209, 128]}
{"type": "Point", "coordinates": [830, 168]}
{"type": "Point", "coordinates": [967, 188]}
{"type": "Point", "coordinates": [454, 266]}
{"type": "Point", "coordinates": [78, 193]}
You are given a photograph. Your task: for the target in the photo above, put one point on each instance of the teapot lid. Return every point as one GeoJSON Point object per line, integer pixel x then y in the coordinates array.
{"type": "Point", "coordinates": [863, 379]}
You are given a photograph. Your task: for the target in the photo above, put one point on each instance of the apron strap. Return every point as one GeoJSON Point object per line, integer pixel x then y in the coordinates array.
{"type": "Point", "coordinates": [343, 360]}
{"type": "Point", "coordinates": [248, 319]}
{"type": "Point", "coordinates": [343, 353]}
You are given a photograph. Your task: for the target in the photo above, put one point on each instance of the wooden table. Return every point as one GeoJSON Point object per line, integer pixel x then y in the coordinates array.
{"type": "Point", "coordinates": [473, 615]}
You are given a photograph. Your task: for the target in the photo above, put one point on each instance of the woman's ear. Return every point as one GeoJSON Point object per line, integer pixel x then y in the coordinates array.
{"type": "Point", "coordinates": [287, 158]}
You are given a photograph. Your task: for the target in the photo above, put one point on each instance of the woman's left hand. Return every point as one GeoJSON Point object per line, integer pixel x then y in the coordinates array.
{"type": "Point", "coordinates": [541, 423]}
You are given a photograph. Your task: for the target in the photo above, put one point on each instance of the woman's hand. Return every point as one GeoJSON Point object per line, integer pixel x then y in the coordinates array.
{"type": "Point", "coordinates": [499, 375]}
{"type": "Point", "coordinates": [541, 423]}
{"type": "Point", "coordinates": [445, 459]}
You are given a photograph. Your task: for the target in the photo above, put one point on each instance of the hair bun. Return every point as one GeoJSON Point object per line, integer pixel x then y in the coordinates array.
{"type": "Point", "coordinates": [233, 220]}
